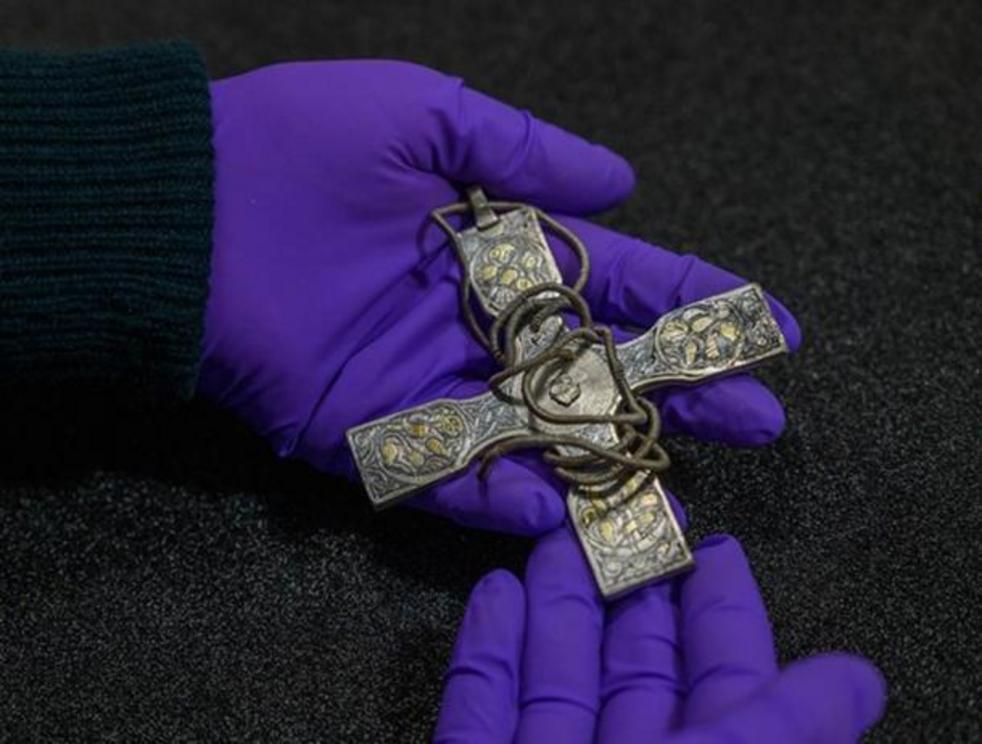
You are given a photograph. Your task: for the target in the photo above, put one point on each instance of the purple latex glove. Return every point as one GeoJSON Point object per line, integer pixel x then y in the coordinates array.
{"type": "Point", "coordinates": [334, 301]}
{"type": "Point", "coordinates": [686, 662]}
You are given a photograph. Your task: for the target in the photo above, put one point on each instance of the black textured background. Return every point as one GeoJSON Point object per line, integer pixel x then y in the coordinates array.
{"type": "Point", "coordinates": [165, 578]}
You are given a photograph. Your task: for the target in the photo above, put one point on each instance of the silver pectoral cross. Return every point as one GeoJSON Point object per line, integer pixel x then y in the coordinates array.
{"type": "Point", "coordinates": [627, 529]}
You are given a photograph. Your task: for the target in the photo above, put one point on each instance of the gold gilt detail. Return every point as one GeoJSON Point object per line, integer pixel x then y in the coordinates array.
{"type": "Point", "coordinates": [506, 269]}
{"type": "Point", "coordinates": [701, 336]}
{"type": "Point", "coordinates": [422, 442]}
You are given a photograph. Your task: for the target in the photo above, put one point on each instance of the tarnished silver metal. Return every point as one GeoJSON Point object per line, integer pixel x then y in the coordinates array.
{"type": "Point", "coordinates": [628, 532]}
{"type": "Point", "coordinates": [414, 448]}
{"type": "Point", "coordinates": [507, 257]}
{"type": "Point", "coordinates": [484, 216]}
{"type": "Point", "coordinates": [629, 535]}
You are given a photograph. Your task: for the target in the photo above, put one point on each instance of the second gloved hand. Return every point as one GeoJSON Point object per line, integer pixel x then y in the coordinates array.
{"type": "Point", "coordinates": [689, 661]}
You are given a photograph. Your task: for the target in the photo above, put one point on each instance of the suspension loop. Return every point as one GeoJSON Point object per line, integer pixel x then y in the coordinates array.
{"type": "Point", "coordinates": [635, 421]}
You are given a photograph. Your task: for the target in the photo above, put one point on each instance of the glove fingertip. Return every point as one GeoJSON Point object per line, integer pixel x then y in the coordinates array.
{"type": "Point", "coordinates": [546, 512]}
{"type": "Point", "coordinates": [621, 176]}
{"type": "Point", "coordinates": [584, 177]}
{"type": "Point", "coordinates": [739, 411]}
{"type": "Point", "coordinates": [498, 585]}
{"type": "Point", "coordinates": [769, 420]}
{"type": "Point", "coordinates": [720, 542]}
{"type": "Point", "coordinates": [868, 686]}
{"type": "Point", "coordinates": [539, 508]}
{"type": "Point", "coordinates": [854, 689]}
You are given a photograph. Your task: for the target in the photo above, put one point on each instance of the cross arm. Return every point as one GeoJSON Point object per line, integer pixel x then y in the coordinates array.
{"type": "Point", "coordinates": [417, 447]}
{"type": "Point", "coordinates": [717, 336]}
{"type": "Point", "coordinates": [629, 534]}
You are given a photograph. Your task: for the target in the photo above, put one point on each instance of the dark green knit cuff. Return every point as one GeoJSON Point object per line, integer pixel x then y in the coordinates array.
{"type": "Point", "coordinates": [105, 218]}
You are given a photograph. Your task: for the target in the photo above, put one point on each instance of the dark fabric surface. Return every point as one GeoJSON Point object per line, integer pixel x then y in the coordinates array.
{"type": "Point", "coordinates": [165, 578]}
{"type": "Point", "coordinates": [105, 218]}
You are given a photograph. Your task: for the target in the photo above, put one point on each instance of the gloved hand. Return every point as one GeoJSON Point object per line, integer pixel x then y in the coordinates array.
{"type": "Point", "coordinates": [682, 662]}
{"type": "Point", "coordinates": [334, 301]}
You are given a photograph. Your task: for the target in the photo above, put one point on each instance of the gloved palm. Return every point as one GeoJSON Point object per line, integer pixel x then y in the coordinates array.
{"type": "Point", "coordinates": [682, 662]}
{"type": "Point", "coordinates": [332, 302]}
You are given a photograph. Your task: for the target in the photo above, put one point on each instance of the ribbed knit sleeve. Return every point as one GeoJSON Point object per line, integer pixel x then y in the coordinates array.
{"type": "Point", "coordinates": [105, 218]}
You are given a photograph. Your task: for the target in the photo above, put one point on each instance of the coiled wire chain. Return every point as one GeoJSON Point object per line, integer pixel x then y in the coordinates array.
{"type": "Point", "coordinates": [636, 421]}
